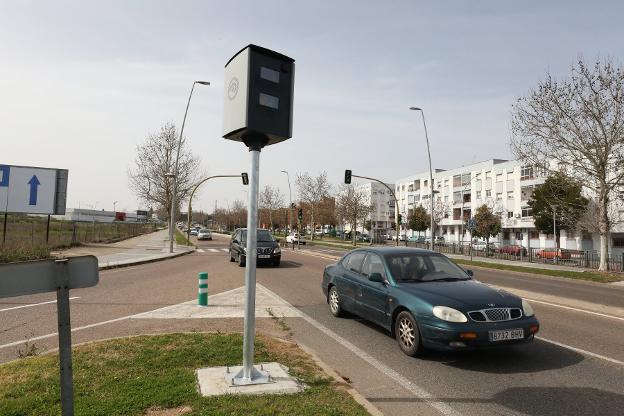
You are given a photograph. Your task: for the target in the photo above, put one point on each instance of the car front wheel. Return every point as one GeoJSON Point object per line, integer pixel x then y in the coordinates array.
{"type": "Point", "coordinates": [232, 259]}
{"type": "Point", "coordinates": [407, 334]}
{"type": "Point", "coordinates": [333, 299]}
{"type": "Point", "coordinates": [241, 260]}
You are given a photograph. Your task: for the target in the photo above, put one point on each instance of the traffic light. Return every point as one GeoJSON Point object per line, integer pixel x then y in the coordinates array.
{"type": "Point", "coordinates": [347, 176]}
{"type": "Point", "coordinates": [245, 178]}
{"type": "Point", "coordinates": [300, 214]}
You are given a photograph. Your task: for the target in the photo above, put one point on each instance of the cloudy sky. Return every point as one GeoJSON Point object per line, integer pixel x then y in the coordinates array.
{"type": "Point", "coordinates": [83, 82]}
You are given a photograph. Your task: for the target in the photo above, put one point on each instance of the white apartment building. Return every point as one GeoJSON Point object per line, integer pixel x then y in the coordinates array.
{"type": "Point", "coordinates": [382, 214]}
{"type": "Point", "coordinates": [505, 186]}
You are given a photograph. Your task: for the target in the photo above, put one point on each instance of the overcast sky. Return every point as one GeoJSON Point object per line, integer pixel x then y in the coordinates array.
{"type": "Point", "coordinates": [83, 82]}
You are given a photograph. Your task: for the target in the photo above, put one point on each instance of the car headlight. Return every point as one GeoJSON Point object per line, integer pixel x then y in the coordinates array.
{"type": "Point", "coordinates": [277, 250]}
{"type": "Point", "coordinates": [526, 307]}
{"type": "Point", "coordinates": [449, 314]}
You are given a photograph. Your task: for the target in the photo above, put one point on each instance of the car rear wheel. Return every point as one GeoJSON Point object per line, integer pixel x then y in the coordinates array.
{"type": "Point", "coordinates": [241, 260]}
{"type": "Point", "coordinates": [333, 298]}
{"type": "Point", "coordinates": [407, 334]}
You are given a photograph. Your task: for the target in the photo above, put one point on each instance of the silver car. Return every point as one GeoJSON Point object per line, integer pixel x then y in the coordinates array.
{"type": "Point", "coordinates": [204, 234]}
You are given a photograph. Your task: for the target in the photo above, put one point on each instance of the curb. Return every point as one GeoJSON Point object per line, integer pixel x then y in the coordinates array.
{"type": "Point", "coordinates": [145, 261]}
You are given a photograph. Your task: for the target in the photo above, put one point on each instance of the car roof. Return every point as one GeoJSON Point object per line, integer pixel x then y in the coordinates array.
{"type": "Point", "coordinates": [395, 250]}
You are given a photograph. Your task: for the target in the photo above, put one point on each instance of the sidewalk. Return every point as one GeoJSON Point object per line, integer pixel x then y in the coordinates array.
{"type": "Point", "coordinates": [137, 250]}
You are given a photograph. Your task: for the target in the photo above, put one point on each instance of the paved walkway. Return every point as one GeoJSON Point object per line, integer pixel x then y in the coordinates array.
{"type": "Point", "coordinates": [142, 249]}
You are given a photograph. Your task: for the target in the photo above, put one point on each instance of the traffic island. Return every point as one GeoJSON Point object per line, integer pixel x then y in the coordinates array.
{"type": "Point", "coordinates": [137, 375]}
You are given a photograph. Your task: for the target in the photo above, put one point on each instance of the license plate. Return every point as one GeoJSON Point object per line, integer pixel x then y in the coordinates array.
{"type": "Point", "coordinates": [264, 256]}
{"type": "Point", "coordinates": [506, 334]}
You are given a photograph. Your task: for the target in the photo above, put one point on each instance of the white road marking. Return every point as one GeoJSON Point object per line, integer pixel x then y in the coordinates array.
{"type": "Point", "coordinates": [580, 351]}
{"type": "Point", "coordinates": [556, 305]}
{"type": "Point", "coordinates": [419, 392]}
{"type": "Point", "coordinates": [226, 250]}
{"type": "Point", "coordinates": [213, 250]}
{"type": "Point", "coordinates": [34, 304]}
{"type": "Point", "coordinates": [199, 250]}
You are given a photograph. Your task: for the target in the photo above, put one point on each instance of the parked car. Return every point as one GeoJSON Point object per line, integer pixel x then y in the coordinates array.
{"type": "Point", "coordinates": [513, 249]}
{"type": "Point", "coordinates": [267, 249]}
{"type": "Point", "coordinates": [294, 238]}
{"type": "Point", "coordinates": [416, 239]}
{"type": "Point", "coordinates": [426, 301]}
{"type": "Point", "coordinates": [194, 231]}
{"type": "Point", "coordinates": [553, 253]}
{"type": "Point", "coordinates": [204, 234]}
{"type": "Point", "coordinates": [402, 237]}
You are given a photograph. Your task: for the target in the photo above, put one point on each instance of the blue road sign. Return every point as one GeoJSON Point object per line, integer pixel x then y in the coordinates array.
{"type": "Point", "coordinates": [5, 170]}
{"type": "Point", "coordinates": [34, 183]}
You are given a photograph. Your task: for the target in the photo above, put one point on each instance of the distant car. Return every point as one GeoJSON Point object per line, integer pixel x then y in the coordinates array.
{"type": "Point", "coordinates": [295, 238]}
{"type": "Point", "coordinates": [553, 253]}
{"type": "Point", "coordinates": [426, 301]}
{"type": "Point", "coordinates": [193, 232]}
{"type": "Point", "coordinates": [513, 249]}
{"type": "Point", "coordinates": [267, 249]}
{"type": "Point", "coordinates": [416, 239]}
{"type": "Point", "coordinates": [204, 234]}
{"type": "Point", "coordinates": [402, 237]}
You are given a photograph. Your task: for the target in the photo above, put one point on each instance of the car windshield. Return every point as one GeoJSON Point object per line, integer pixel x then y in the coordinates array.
{"type": "Point", "coordinates": [263, 235]}
{"type": "Point", "coordinates": [204, 231]}
{"type": "Point", "coordinates": [421, 267]}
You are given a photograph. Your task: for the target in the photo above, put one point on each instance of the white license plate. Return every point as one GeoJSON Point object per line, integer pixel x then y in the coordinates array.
{"type": "Point", "coordinates": [264, 256]}
{"type": "Point", "coordinates": [506, 334]}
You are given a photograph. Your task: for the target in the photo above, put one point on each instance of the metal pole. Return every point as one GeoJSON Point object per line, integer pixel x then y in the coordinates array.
{"type": "Point", "coordinates": [290, 208]}
{"type": "Point", "coordinates": [48, 231]}
{"type": "Point", "coordinates": [250, 269]}
{"type": "Point", "coordinates": [64, 337]}
{"type": "Point", "coordinates": [177, 162]}
{"type": "Point", "coordinates": [4, 229]}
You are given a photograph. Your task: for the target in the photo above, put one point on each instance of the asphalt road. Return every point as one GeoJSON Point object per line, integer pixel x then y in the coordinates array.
{"type": "Point", "coordinates": [577, 369]}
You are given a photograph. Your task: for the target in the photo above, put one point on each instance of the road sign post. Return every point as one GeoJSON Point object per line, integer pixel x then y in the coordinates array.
{"type": "Point", "coordinates": [258, 102]}
{"type": "Point", "coordinates": [41, 276]}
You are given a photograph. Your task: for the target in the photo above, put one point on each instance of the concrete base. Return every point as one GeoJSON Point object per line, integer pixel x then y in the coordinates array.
{"type": "Point", "coordinates": [212, 381]}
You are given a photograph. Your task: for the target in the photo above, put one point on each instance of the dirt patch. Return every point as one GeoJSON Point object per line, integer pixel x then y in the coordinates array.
{"type": "Point", "coordinates": [157, 411]}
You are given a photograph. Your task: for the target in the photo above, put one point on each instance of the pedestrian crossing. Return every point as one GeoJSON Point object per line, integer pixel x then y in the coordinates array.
{"type": "Point", "coordinates": [214, 250]}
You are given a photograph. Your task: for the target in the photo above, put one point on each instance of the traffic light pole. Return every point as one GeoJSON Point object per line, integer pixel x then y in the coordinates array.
{"type": "Point", "coordinates": [396, 204]}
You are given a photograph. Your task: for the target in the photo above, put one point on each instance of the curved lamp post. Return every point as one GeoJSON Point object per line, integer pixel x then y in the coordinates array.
{"type": "Point", "coordinates": [177, 162]}
{"type": "Point", "coordinates": [190, 209]}
{"type": "Point", "coordinates": [430, 173]}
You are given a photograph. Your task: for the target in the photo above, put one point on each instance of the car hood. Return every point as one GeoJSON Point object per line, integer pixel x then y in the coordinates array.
{"type": "Point", "coordinates": [462, 295]}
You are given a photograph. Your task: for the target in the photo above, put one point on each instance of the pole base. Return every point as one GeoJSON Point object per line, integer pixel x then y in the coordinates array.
{"type": "Point", "coordinates": [234, 376]}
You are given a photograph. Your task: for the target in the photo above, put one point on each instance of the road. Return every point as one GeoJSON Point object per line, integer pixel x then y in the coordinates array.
{"type": "Point", "coordinates": [575, 368]}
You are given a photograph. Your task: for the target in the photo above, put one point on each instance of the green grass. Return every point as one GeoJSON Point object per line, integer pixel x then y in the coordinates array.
{"type": "Point", "coordinates": [9, 254]}
{"type": "Point", "coordinates": [128, 376]}
{"type": "Point", "coordinates": [181, 238]}
{"type": "Point", "coordinates": [586, 275]}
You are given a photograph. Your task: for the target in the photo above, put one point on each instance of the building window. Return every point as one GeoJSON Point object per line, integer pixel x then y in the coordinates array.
{"type": "Point", "coordinates": [425, 182]}
{"type": "Point", "coordinates": [509, 176]}
{"type": "Point", "coordinates": [526, 173]}
{"type": "Point", "coordinates": [499, 177]}
{"type": "Point", "coordinates": [618, 242]}
{"type": "Point", "coordinates": [526, 192]}
{"type": "Point", "coordinates": [445, 198]}
{"type": "Point", "coordinates": [478, 194]}
{"type": "Point", "coordinates": [510, 195]}
{"type": "Point", "coordinates": [519, 236]}
{"type": "Point", "coordinates": [488, 174]}
{"type": "Point", "coordinates": [456, 180]}
{"type": "Point", "coordinates": [410, 188]}
{"type": "Point", "coordinates": [509, 214]}
{"type": "Point", "coordinates": [488, 193]}
{"type": "Point", "coordinates": [527, 212]}
{"type": "Point", "coordinates": [499, 195]}
{"type": "Point", "coordinates": [478, 176]}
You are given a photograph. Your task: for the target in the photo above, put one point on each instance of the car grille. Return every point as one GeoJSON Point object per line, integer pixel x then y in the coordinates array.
{"type": "Point", "coordinates": [267, 250]}
{"type": "Point", "coordinates": [496, 314]}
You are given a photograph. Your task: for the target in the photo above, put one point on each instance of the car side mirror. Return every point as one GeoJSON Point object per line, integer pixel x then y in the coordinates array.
{"type": "Point", "coordinates": [376, 277]}
{"type": "Point", "coordinates": [470, 273]}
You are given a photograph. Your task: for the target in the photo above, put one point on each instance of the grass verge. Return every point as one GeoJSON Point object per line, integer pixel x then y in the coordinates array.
{"type": "Point", "coordinates": [181, 239]}
{"type": "Point", "coordinates": [139, 375]}
{"type": "Point", "coordinates": [586, 275]}
{"type": "Point", "coordinates": [9, 254]}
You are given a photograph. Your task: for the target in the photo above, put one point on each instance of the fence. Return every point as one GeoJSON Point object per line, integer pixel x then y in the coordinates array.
{"type": "Point", "coordinates": [34, 233]}
{"type": "Point", "coordinates": [573, 258]}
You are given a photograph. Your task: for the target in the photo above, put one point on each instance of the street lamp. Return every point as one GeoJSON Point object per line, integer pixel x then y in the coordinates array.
{"type": "Point", "coordinates": [430, 172]}
{"type": "Point", "coordinates": [175, 173]}
{"type": "Point", "coordinates": [290, 208]}
{"type": "Point", "coordinates": [115, 206]}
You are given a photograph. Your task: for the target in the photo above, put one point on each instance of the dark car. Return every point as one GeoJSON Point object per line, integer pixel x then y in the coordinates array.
{"type": "Point", "coordinates": [267, 249]}
{"type": "Point", "coordinates": [426, 301]}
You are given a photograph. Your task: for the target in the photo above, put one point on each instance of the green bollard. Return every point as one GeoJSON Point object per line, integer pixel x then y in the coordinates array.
{"type": "Point", "coordinates": [202, 294]}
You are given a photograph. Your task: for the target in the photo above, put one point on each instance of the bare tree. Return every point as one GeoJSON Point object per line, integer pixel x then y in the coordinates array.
{"type": "Point", "coordinates": [353, 207]}
{"type": "Point", "coordinates": [155, 159]}
{"type": "Point", "coordinates": [271, 199]}
{"type": "Point", "coordinates": [440, 211]}
{"type": "Point", "coordinates": [312, 190]}
{"type": "Point", "coordinates": [576, 126]}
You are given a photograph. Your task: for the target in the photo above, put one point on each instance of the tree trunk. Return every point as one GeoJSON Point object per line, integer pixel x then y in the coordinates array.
{"type": "Point", "coordinates": [312, 220]}
{"type": "Point", "coordinates": [604, 227]}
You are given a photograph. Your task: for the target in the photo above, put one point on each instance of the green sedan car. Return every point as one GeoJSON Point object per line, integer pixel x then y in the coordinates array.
{"type": "Point", "coordinates": [426, 301]}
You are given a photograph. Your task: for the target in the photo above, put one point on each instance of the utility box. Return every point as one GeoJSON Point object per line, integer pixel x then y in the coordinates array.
{"type": "Point", "coordinates": [258, 99]}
